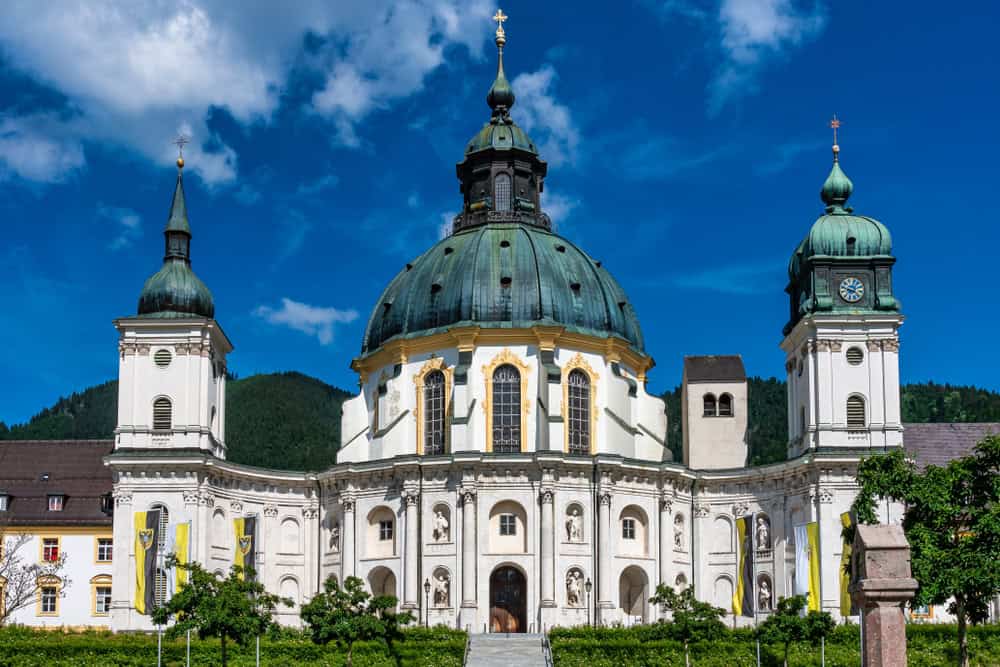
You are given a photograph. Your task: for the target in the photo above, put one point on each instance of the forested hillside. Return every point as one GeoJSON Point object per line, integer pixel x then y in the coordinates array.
{"type": "Point", "coordinates": [292, 421]}
{"type": "Point", "coordinates": [281, 420]}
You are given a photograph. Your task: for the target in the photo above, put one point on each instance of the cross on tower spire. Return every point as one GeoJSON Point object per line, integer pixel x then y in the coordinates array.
{"type": "Point", "coordinates": [835, 125]}
{"type": "Point", "coordinates": [180, 142]}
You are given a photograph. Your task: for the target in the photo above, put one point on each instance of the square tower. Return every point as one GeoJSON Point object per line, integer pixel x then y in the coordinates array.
{"type": "Point", "coordinates": [714, 412]}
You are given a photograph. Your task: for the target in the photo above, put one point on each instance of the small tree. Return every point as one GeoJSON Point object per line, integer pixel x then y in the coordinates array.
{"type": "Point", "coordinates": [692, 619]}
{"type": "Point", "coordinates": [351, 614]}
{"type": "Point", "coordinates": [952, 523]}
{"type": "Point", "coordinates": [787, 624]}
{"type": "Point", "coordinates": [21, 577]}
{"type": "Point", "coordinates": [233, 607]}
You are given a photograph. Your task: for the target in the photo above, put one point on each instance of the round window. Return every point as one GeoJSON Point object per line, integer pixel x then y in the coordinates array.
{"type": "Point", "coordinates": [855, 356]}
{"type": "Point", "coordinates": [162, 358]}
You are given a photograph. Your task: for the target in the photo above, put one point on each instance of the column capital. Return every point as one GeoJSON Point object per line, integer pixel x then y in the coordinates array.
{"type": "Point", "coordinates": [123, 498]}
{"type": "Point", "coordinates": [270, 511]}
{"type": "Point", "coordinates": [605, 498]}
{"type": "Point", "coordinates": [666, 504]}
{"type": "Point", "coordinates": [701, 510]}
{"type": "Point", "coordinates": [410, 497]}
{"type": "Point", "coordinates": [547, 496]}
{"type": "Point", "coordinates": [468, 494]}
{"type": "Point", "coordinates": [347, 502]}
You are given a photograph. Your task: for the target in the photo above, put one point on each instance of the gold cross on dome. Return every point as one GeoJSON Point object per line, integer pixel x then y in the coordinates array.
{"type": "Point", "coordinates": [499, 17]}
{"type": "Point", "coordinates": [835, 124]}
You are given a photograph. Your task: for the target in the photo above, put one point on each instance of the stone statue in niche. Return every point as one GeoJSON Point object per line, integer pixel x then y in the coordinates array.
{"type": "Point", "coordinates": [764, 596]}
{"type": "Point", "coordinates": [679, 532]}
{"type": "Point", "coordinates": [441, 590]}
{"type": "Point", "coordinates": [574, 589]}
{"type": "Point", "coordinates": [763, 533]}
{"type": "Point", "coordinates": [335, 537]}
{"type": "Point", "coordinates": [440, 529]}
{"type": "Point", "coordinates": [574, 526]}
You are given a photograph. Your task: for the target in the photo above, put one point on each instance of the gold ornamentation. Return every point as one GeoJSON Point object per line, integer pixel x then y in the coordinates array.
{"type": "Point", "coordinates": [499, 17]}
{"type": "Point", "coordinates": [146, 538]}
{"type": "Point", "coordinates": [419, 380]}
{"type": "Point", "coordinates": [245, 543]}
{"type": "Point", "coordinates": [579, 363]}
{"type": "Point", "coordinates": [506, 357]}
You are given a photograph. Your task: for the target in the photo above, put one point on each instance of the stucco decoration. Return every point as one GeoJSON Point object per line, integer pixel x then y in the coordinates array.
{"type": "Point", "coordinates": [679, 532]}
{"type": "Point", "coordinates": [574, 524]}
{"type": "Point", "coordinates": [574, 588]}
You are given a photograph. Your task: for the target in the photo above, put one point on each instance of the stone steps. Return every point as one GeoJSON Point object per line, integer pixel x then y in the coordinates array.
{"type": "Point", "coordinates": [506, 650]}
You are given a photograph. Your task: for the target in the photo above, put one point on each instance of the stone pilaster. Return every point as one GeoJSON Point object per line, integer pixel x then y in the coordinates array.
{"type": "Point", "coordinates": [547, 548]}
{"type": "Point", "coordinates": [467, 615]}
{"type": "Point", "coordinates": [604, 548]}
{"type": "Point", "coordinates": [347, 557]}
{"type": "Point", "coordinates": [411, 582]}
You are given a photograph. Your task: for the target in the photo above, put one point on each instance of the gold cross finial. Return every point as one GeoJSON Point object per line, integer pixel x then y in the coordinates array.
{"type": "Point", "coordinates": [500, 17]}
{"type": "Point", "coordinates": [180, 142]}
{"type": "Point", "coordinates": [835, 125]}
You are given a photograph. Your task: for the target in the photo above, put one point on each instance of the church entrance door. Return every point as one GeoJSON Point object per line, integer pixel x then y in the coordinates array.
{"type": "Point", "coordinates": [508, 596]}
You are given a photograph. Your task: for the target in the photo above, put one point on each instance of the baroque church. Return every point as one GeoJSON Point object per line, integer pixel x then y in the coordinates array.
{"type": "Point", "coordinates": [503, 467]}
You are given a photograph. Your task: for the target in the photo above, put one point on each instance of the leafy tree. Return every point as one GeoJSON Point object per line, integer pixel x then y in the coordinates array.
{"type": "Point", "coordinates": [691, 619]}
{"type": "Point", "coordinates": [234, 607]}
{"type": "Point", "coordinates": [787, 624]}
{"type": "Point", "coordinates": [952, 523]}
{"type": "Point", "coordinates": [351, 614]}
{"type": "Point", "coordinates": [21, 577]}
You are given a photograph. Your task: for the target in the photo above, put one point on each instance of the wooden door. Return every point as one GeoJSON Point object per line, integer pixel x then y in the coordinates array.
{"type": "Point", "coordinates": [507, 600]}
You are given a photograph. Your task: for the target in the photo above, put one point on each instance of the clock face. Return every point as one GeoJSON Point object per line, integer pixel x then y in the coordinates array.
{"type": "Point", "coordinates": [851, 289]}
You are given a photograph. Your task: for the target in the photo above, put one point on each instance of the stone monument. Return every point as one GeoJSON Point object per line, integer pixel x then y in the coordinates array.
{"type": "Point", "coordinates": [881, 586]}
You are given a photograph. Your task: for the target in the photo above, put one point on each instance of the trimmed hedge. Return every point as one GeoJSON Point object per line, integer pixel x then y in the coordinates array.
{"type": "Point", "coordinates": [650, 645]}
{"type": "Point", "coordinates": [26, 647]}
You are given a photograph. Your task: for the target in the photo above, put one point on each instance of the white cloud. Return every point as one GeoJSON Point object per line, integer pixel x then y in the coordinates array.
{"type": "Point", "coordinates": [319, 185]}
{"type": "Point", "coordinates": [548, 121]}
{"type": "Point", "coordinates": [311, 320]}
{"type": "Point", "coordinates": [127, 223]}
{"type": "Point", "coordinates": [753, 31]}
{"type": "Point", "coordinates": [759, 277]}
{"type": "Point", "coordinates": [134, 71]}
{"type": "Point", "coordinates": [558, 207]}
{"type": "Point", "coordinates": [34, 149]}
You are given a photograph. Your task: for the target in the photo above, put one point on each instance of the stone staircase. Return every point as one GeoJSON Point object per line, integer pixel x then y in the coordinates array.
{"type": "Point", "coordinates": [506, 650]}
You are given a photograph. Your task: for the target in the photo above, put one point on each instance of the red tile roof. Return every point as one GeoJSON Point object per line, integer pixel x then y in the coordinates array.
{"type": "Point", "coordinates": [74, 468]}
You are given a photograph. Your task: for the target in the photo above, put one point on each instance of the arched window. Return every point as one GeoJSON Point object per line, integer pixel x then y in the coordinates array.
{"type": "Point", "coordinates": [501, 192]}
{"type": "Point", "coordinates": [725, 405]}
{"type": "Point", "coordinates": [162, 411]}
{"type": "Point", "coordinates": [855, 412]}
{"type": "Point", "coordinates": [579, 412]}
{"type": "Point", "coordinates": [506, 409]}
{"type": "Point", "coordinates": [709, 405]}
{"type": "Point", "coordinates": [434, 413]}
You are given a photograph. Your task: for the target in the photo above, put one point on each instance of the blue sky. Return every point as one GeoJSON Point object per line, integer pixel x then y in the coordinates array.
{"type": "Point", "coordinates": [687, 143]}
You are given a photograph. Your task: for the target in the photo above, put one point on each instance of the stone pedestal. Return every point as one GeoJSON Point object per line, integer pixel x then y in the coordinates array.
{"type": "Point", "coordinates": [880, 572]}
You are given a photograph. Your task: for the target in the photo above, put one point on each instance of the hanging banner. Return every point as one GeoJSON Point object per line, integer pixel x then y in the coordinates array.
{"type": "Point", "coordinates": [147, 535]}
{"type": "Point", "coordinates": [246, 544]}
{"type": "Point", "coordinates": [845, 572]}
{"type": "Point", "coordinates": [815, 602]}
{"type": "Point", "coordinates": [744, 595]}
{"type": "Point", "coordinates": [182, 550]}
{"type": "Point", "coordinates": [801, 561]}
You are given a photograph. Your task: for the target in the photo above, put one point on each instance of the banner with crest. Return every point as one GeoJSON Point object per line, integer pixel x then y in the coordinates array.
{"type": "Point", "coordinates": [246, 543]}
{"type": "Point", "coordinates": [147, 536]}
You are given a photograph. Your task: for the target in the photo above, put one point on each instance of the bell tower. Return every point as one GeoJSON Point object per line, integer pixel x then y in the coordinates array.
{"type": "Point", "coordinates": [172, 354]}
{"type": "Point", "coordinates": [842, 339]}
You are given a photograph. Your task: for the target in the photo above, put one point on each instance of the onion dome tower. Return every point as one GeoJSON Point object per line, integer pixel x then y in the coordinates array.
{"type": "Point", "coordinates": [175, 290]}
{"type": "Point", "coordinates": [502, 266]}
{"type": "Point", "coordinates": [842, 337]}
{"type": "Point", "coordinates": [172, 368]}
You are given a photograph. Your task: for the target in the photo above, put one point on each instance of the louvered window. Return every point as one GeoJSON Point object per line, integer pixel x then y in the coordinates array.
{"type": "Point", "coordinates": [579, 412]}
{"type": "Point", "coordinates": [855, 356]}
{"type": "Point", "coordinates": [725, 405]}
{"type": "Point", "coordinates": [162, 414]}
{"type": "Point", "coordinates": [162, 358]}
{"type": "Point", "coordinates": [160, 588]}
{"type": "Point", "coordinates": [501, 192]}
{"type": "Point", "coordinates": [506, 409]}
{"type": "Point", "coordinates": [434, 410]}
{"type": "Point", "coordinates": [708, 402]}
{"type": "Point", "coordinates": [855, 412]}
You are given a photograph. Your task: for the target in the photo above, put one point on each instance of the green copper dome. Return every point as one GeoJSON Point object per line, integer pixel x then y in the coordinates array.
{"type": "Point", "coordinates": [174, 290]}
{"type": "Point", "coordinates": [502, 135]}
{"type": "Point", "coordinates": [502, 276]}
{"type": "Point", "coordinates": [840, 233]}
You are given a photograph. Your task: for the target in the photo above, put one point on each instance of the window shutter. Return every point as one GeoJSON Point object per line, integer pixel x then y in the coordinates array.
{"type": "Point", "coordinates": [162, 417]}
{"type": "Point", "coordinates": [855, 412]}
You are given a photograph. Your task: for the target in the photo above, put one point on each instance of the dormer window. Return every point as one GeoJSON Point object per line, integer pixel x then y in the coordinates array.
{"type": "Point", "coordinates": [4, 502]}
{"type": "Point", "coordinates": [56, 502]}
{"type": "Point", "coordinates": [501, 192]}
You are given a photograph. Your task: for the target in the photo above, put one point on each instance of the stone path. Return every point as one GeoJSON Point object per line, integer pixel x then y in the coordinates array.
{"type": "Point", "coordinates": [502, 650]}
